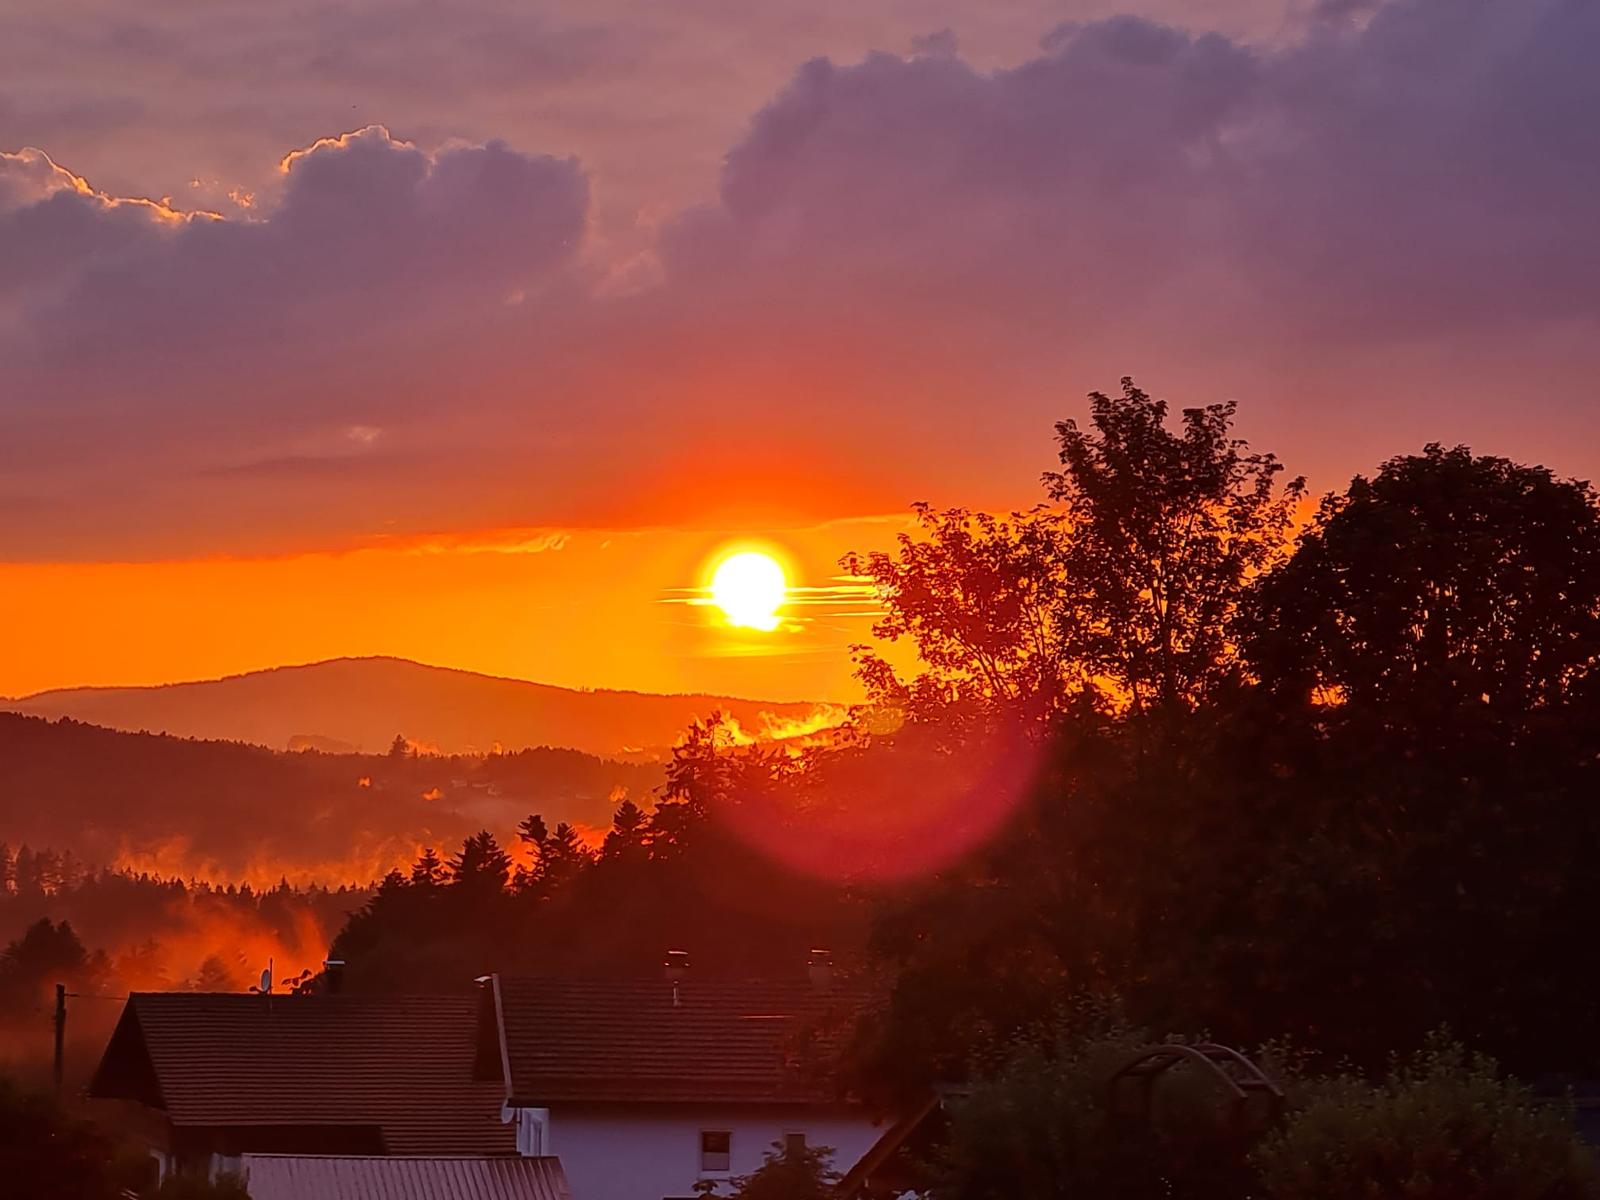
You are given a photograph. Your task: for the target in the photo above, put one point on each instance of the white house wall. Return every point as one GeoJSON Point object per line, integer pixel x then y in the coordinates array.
{"type": "Point", "coordinates": [647, 1153]}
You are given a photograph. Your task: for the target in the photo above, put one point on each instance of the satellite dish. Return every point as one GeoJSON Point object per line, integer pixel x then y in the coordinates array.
{"type": "Point", "coordinates": [266, 980]}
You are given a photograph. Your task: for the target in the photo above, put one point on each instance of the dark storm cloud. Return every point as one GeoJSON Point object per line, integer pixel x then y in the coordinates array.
{"type": "Point", "coordinates": [909, 261]}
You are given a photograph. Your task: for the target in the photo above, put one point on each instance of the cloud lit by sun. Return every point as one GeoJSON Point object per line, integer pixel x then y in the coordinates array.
{"type": "Point", "coordinates": [750, 587]}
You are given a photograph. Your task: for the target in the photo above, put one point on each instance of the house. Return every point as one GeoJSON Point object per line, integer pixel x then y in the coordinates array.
{"type": "Point", "coordinates": [645, 1088]}
{"type": "Point", "coordinates": [203, 1079]}
{"type": "Point", "coordinates": [330, 1177]}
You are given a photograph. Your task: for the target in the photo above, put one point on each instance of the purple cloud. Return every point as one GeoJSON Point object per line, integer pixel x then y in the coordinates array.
{"type": "Point", "coordinates": [911, 266]}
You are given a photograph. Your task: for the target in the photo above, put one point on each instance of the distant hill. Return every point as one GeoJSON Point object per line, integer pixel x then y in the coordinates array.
{"type": "Point", "coordinates": [362, 703]}
{"type": "Point", "coordinates": [225, 810]}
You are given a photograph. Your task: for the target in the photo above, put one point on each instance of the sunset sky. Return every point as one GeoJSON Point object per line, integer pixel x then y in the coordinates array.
{"type": "Point", "coordinates": [472, 332]}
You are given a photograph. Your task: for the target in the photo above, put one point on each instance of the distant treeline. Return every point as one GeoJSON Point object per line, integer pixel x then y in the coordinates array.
{"type": "Point", "coordinates": [148, 932]}
{"type": "Point", "coordinates": [677, 874]}
{"type": "Point", "coordinates": [229, 811]}
{"type": "Point", "coordinates": [104, 933]}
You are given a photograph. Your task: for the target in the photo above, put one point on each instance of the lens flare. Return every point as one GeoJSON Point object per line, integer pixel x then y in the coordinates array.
{"type": "Point", "coordinates": [887, 814]}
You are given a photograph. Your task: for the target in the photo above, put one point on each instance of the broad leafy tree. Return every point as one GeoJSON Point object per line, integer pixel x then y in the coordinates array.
{"type": "Point", "coordinates": [1445, 583]}
{"type": "Point", "coordinates": [979, 597]}
{"type": "Point", "coordinates": [1125, 584]}
{"type": "Point", "coordinates": [1164, 530]}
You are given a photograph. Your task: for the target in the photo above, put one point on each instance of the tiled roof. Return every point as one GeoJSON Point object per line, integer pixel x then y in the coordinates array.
{"type": "Point", "coordinates": [309, 1177]}
{"type": "Point", "coordinates": [402, 1064]}
{"type": "Point", "coordinates": [602, 1041]}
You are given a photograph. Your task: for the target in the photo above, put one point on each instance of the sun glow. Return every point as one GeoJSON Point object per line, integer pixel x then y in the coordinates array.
{"type": "Point", "coordinates": [749, 587]}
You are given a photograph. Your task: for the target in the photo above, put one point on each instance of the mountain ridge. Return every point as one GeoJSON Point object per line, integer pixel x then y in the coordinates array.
{"type": "Point", "coordinates": [400, 660]}
{"type": "Point", "coordinates": [363, 702]}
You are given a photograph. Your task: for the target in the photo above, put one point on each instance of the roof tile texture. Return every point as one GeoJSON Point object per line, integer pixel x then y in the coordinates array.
{"type": "Point", "coordinates": [707, 1041]}
{"type": "Point", "coordinates": [402, 1063]}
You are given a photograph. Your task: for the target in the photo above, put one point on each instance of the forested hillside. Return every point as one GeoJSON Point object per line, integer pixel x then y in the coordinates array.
{"type": "Point", "coordinates": [233, 812]}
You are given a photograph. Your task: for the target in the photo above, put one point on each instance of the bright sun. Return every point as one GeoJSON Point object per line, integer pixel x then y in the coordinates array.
{"type": "Point", "coordinates": [749, 588]}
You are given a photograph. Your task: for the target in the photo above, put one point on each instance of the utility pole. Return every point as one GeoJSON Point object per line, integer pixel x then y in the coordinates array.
{"type": "Point", "coordinates": [61, 1033]}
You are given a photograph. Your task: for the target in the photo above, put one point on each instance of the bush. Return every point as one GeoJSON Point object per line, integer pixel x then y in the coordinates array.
{"type": "Point", "coordinates": [1036, 1125]}
{"type": "Point", "coordinates": [1443, 1126]}
{"type": "Point", "coordinates": [802, 1173]}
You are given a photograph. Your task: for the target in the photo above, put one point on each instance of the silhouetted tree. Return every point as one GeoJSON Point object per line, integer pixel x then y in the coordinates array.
{"type": "Point", "coordinates": [529, 879]}
{"type": "Point", "coordinates": [702, 774]}
{"type": "Point", "coordinates": [481, 866]}
{"type": "Point", "coordinates": [218, 974]}
{"type": "Point", "coordinates": [533, 831]}
{"type": "Point", "coordinates": [428, 871]}
{"type": "Point", "coordinates": [1125, 585]}
{"type": "Point", "coordinates": [46, 954]}
{"type": "Point", "coordinates": [1164, 531]}
{"type": "Point", "coordinates": [1447, 583]}
{"type": "Point", "coordinates": [626, 837]}
{"type": "Point", "coordinates": [564, 856]}
{"type": "Point", "coordinates": [1376, 823]}
{"type": "Point", "coordinates": [979, 597]}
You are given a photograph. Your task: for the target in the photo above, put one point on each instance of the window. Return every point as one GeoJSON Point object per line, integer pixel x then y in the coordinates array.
{"type": "Point", "coordinates": [716, 1150]}
{"type": "Point", "coordinates": [794, 1145]}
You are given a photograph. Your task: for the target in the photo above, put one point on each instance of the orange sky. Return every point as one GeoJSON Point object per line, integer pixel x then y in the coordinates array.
{"type": "Point", "coordinates": [482, 267]}
{"type": "Point", "coordinates": [585, 608]}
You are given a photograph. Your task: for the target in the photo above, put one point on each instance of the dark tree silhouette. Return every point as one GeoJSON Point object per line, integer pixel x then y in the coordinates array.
{"type": "Point", "coordinates": [979, 597]}
{"type": "Point", "coordinates": [481, 866]}
{"type": "Point", "coordinates": [46, 954]}
{"type": "Point", "coordinates": [1163, 532]}
{"type": "Point", "coordinates": [625, 841]}
{"type": "Point", "coordinates": [1125, 585]}
{"type": "Point", "coordinates": [1445, 583]}
{"type": "Point", "coordinates": [1347, 797]}
{"type": "Point", "coordinates": [564, 856]}
{"type": "Point", "coordinates": [428, 871]}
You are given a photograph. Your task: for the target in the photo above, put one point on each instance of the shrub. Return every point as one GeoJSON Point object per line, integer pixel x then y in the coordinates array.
{"type": "Point", "coordinates": [790, 1173]}
{"type": "Point", "coordinates": [1445, 1125]}
{"type": "Point", "coordinates": [1036, 1125]}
